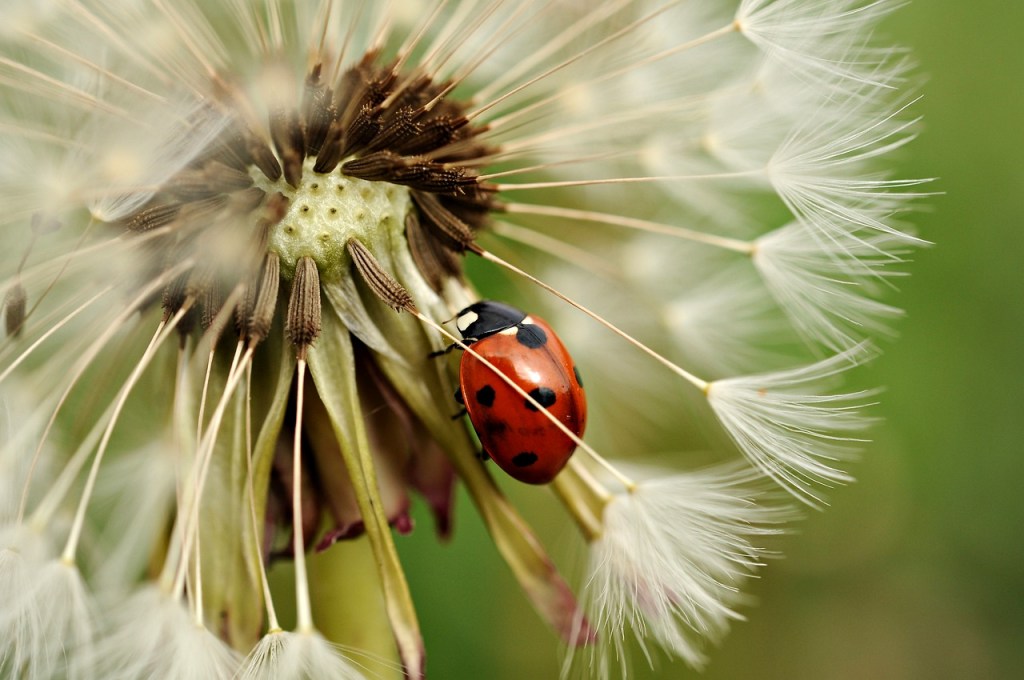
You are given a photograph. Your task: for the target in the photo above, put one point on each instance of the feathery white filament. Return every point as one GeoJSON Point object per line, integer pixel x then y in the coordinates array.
{"type": "Point", "coordinates": [789, 427]}
{"type": "Point", "coordinates": [669, 563]}
{"type": "Point", "coordinates": [51, 620]}
{"type": "Point", "coordinates": [152, 635]}
{"type": "Point", "coordinates": [296, 656]}
{"type": "Point", "coordinates": [827, 289]}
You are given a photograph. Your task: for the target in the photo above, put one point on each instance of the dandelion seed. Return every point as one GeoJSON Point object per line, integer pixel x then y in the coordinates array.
{"type": "Point", "coordinates": [788, 427]}
{"type": "Point", "coordinates": [296, 656]}
{"type": "Point", "coordinates": [670, 562]}
{"type": "Point", "coordinates": [233, 234]}
{"type": "Point", "coordinates": [152, 634]}
{"type": "Point", "coordinates": [825, 290]}
{"type": "Point", "coordinates": [50, 621]}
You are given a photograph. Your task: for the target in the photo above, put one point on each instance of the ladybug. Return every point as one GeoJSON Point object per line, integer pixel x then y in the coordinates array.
{"type": "Point", "coordinates": [514, 434]}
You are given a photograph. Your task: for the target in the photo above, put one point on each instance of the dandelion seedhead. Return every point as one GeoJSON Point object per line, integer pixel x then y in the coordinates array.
{"type": "Point", "coordinates": [234, 239]}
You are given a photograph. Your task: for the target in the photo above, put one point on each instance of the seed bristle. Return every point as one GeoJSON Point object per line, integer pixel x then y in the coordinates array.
{"type": "Point", "coordinates": [263, 158]}
{"type": "Point", "coordinates": [289, 140]}
{"type": "Point", "coordinates": [441, 222]}
{"type": "Point", "coordinates": [304, 318]}
{"type": "Point", "coordinates": [435, 262]}
{"type": "Point", "coordinates": [360, 132]}
{"type": "Point", "coordinates": [318, 115]}
{"type": "Point", "coordinates": [152, 217]}
{"type": "Point", "coordinates": [210, 305]}
{"type": "Point", "coordinates": [261, 317]}
{"type": "Point", "coordinates": [383, 285]}
{"type": "Point", "coordinates": [14, 309]}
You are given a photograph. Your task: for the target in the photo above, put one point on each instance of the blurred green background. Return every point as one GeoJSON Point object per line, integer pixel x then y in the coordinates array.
{"type": "Point", "coordinates": [917, 571]}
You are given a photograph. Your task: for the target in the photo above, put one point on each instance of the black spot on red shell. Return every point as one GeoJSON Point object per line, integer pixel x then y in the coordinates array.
{"type": "Point", "coordinates": [545, 396]}
{"type": "Point", "coordinates": [524, 459]}
{"type": "Point", "coordinates": [531, 336]}
{"type": "Point", "coordinates": [576, 372]}
{"type": "Point", "coordinates": [485, 396]}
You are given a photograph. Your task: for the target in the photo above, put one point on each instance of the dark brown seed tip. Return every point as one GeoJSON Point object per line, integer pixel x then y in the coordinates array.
{"type": "Point", "coordinates": [264, 300]}
{"type": "Point", "coordinates": [383, 285]}
{"type": "Point", "coordinates": [14, 306]}
{"type": "Point", "coordinates": [152, 217]}
{"type": "Point", "coordinates": [303, 324]}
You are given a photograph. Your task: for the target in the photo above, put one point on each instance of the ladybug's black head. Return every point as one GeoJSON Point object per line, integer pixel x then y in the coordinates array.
{"type": "Point", "coordinates": [487, 317]}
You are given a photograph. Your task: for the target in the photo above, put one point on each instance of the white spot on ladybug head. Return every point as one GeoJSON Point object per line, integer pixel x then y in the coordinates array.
{"type": "Point", "coordinates": [527, 321]}
{"type": "Point", "coordinates": [511, 330]}
{"type": "Point", "coordinates": [465, 320]}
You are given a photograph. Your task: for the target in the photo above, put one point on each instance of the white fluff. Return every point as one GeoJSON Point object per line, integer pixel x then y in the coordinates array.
{"type": "Point", "coordinates": [827, 289]}
{"type": "Point", "coordinates": [153, 636]}
{"type": "Point", "coordinates": [788, 427]}
{"type": "Point", "coordinates": [285, 655]}
{"type": "Point", "coordinates": [819, 40]}
{"type": "Point", "coordinates": [669, 564]}
{"type": "Point", "coordinates": [48, 619]}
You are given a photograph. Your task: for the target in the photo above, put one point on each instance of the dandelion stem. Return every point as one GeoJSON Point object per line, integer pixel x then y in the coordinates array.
{"type": "Point", "coordinates": [507, 30]}
{"type": "Point", "coordinates": [196, 588]}
{"type": "Point", "coordinates": [51, 330]}
{"type": "Point", "coordinates": [63, 268]}
{"type": "Point", "coordinates": [182, 387]}
{"type": "Point", "coordinates": [626, 180]}
{"type": "Point", "coordinates": [608, 155]}
{"type": "Point", "coordinates": [79, 369]}
{"type": "Point", "coordinates": [735, 245]}
{"type": "Point", "coordinates": [105, 73]}
{"type": "Point", "coordinates": [81, 252]}
{"type": "Point", "coordinates": [272, 623]}
{"type": "Point", "coordinates": [552, 245]}
{"type": "Point", "coordinates": [203, 396]}
{"type": "Point", "coordinates": [57, 491]}
{"type": "Point", "coordinates": [115, 38]}
{"type": "Point", "coordinates": [545, 102]}
{"type": "Point", "coordinates": [275, 24]}
{"type": "Point", "coordinates": [26, 131]}
{"type": "Point", "coordinates": [600, 12]}
{"type": "Point", "coordinates": [163, 330]}
{"type": "Point", "coordinates": [407, 49]}
{"type": "Point", "coordinates": [204, 457]}
{"type": "Point", "coordinates": [195, 50]}
{"type": "Point", "coordinates": [346, 42]}
{"type": "Point", "coordinates": [37, 82]}
{"type": "Point", "coordinates": [710, 36]}
{"type": "Point", "coordinates": [304, 612]}
{"type": "Point", "coordinates": [568, 62]}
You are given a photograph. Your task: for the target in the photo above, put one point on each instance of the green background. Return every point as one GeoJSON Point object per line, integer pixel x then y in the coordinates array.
{"type": "Point", "coordinates": [917, 571]}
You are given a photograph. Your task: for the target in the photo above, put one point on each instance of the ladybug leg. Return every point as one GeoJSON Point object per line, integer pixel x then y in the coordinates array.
{"type": "Point", "coordinates": [458, 398]}
{"type": "Point", "coordinates": [483, 455]}
{"type": "Point", "coordinates": [449, 348]}
{"type": "Point", "coordinates": [442, 352]}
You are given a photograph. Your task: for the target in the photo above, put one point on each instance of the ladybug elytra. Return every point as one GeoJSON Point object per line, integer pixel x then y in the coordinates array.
{"type": "Point", "coordinates": [514, 434]}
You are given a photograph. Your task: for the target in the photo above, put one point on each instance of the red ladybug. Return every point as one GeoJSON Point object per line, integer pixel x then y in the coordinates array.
{"type": "Point", "coordinates": [521, 440]}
